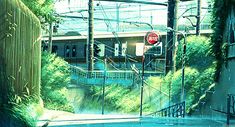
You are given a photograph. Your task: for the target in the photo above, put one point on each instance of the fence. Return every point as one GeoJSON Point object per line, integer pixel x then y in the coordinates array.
{"type": "Point", "coordinates": [230, 107]}
{"type": "Point", "coordinates": [80, 76]}
{"type": "Point", "coordinates": [177, 110]}
{"type": "Point", "coordinates": [20, 49]}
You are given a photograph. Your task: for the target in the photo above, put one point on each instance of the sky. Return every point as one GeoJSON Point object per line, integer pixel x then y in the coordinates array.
{"type": "Point", "coordinates": [151, 14]}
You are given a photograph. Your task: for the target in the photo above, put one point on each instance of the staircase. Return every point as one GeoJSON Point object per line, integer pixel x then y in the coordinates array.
{"type": "Point", "coordinates": [203, 99]}
{"type": "Point", "coordinates": [176, 110]}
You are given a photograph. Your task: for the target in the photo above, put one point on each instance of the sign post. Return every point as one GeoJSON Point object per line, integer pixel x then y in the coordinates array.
{"type": "Point", "coordinates": [152, 38]}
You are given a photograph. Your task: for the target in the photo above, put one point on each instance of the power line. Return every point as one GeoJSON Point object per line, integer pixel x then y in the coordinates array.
{"type": "Point", "coordinates": [135, 1]}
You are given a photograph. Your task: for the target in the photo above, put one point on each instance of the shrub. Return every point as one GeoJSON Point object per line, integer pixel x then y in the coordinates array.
{"type": "Point", "coordinates": [55, 78]}
{"type": "Point", "coordinates": [20, 112]}
{"type": "Point", "coordinates": [198, 53]}
{"type": "Point", "coordinates": [200, 56]}
{"type": "Point", "coordinates": [190, 86]}
{"type": "Point", "coordinates": [206, 78]}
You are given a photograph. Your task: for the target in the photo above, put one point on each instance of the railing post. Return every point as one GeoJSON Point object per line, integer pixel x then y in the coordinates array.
{"type": "Point", "coordinates": [228, 108]}
{"type": "Point", "coordinates": [181, 110]}
{"type": "Point", "coordinates": [169, 112]}
{"type": "Point", "coordinates": [184, 112]}
{"type": "Point", "coordinates": [233, 111]}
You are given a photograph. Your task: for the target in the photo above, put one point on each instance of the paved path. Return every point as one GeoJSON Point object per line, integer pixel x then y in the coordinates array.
{"type": "Point", "coordinates": [64, 119]}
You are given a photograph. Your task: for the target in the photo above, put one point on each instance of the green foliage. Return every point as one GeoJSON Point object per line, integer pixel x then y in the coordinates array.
{"type": "Point", "coordinates": [117, 98]}
{"type": "Point", "coordinates": [199, 75]}
{"type": "Point", "coordinates": [191, 88]}
{"type": "Point", "coordinates": [125, 99]}
{"type": "Point", "coordinates": [224, 52]}
{"type": "Point", "coordinates": [16, 116]}
{"type": "Point", "coordinates": [206, 78]}
{"type": "Point", "coordinates": [196, 83]}
{"type": "Point", "coordinates": [55, 72]}
{"type": "Point", "coordinates": [43, 9]}
{"type": "Point", "coordinates": [55, 77]}
{"type": "Point", "coordinates": [20, 112]}
{"type": "Point", "coordinates": [198, 53]}
{"type": "Point", "coordinates": [200, 58]}
{"type": "Point", "coordinates": [220, 14]}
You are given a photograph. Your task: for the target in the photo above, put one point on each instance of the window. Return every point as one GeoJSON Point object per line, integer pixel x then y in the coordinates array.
{"type": "Point", "coordinates": [124, 47]}
{"type": "Point", "coordinates": [44, 45]}
{"type": "Point", "coordinates": [54, 48]}
{"type": "Point", "coordinates": [116, 47]}
{"type": "Point", "coordinates": [74, 51]}
{"type": "Point", "coordinates": [44, 48]}
{"type": "Point", "coordinates": [85, 50]}
{"type": "Point", "coordinates": [67, 51]}
{"type": "Point", "coordinates": [102, 49]}
{"type": "Point", "coordinates": [139, 50]}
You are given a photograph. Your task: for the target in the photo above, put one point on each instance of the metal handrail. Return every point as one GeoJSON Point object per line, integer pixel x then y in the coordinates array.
{"type": "Point", "coordinates": [230, 107]}
{"type": "Point", "coordinates": [177, 110]}
{"type": "Point", "coordinates": [112, 74]}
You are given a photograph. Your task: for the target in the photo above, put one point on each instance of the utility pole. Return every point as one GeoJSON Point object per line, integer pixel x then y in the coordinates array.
{"type": "Point", "coordinates": [142, 85]}
{"type": "Point", "coordinates": [117, 15]}
{"type": "Point", "coordinates": [103, 86]}
{"type": "Point", "coordinates": [117, 30]}
{"type": "Point", "coordinates": [198, 17]}
{"type": "Point", "coordinates": [50, 37]}
{"type": "Point", "coordinates": [175, 37]}
{"type": "Point", "coordinates": [183, 68]}
{"type": "Point", "coordinates": [171, 23]}
{"type": "Point", "coordinates": [90, 39]}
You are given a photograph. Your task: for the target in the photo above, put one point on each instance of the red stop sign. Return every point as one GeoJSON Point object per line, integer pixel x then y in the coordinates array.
{"type": "Point", "coordinates": [152, 37]}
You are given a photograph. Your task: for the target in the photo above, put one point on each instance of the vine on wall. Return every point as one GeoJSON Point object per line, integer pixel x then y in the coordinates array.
{"type": "Point", "coordinates": [220, 14]}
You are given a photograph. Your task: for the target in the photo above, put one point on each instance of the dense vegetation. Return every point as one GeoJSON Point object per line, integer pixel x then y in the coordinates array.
{"type": "Point", "coordinates": [43, 9]}
{"type": "Point", "coordinates": [200, 66]}
{"type": "Point", "coordinates": [55, 78]}
{"type": "Point", "coordinates": [220, 13]}
{"type": "Point", "coordinates": [199, 75]}
{"type": "Point", "coordinates": [20, 111]}
{"type": "Point", "coordinates": [123, 99]}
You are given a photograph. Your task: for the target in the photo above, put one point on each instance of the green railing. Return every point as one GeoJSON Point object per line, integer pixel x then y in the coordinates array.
{"type": "Point", "coordinates": [96, 77]}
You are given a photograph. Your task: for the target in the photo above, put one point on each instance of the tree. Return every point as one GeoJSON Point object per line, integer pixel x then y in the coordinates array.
{"type": "Point", "coordinates": [43, 9]}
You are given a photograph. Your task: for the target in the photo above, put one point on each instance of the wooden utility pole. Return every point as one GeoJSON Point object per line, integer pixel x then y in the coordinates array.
{"type": "Point", "coordinates": [50, 37]}
{"type": "Point", "coordinates": [198, 17]}
{"type": "Point", "coordinates": [90, 39]}
{"type": "Point", "coordinates": [175, 37]}
{"type": "Point", "coordinates": [103, 85]}
{"type": "Point", "coordinates": [171, 37]}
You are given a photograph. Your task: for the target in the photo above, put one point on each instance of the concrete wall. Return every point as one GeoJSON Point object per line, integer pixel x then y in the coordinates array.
{"type": "Point", "coordinates": [226, 84]}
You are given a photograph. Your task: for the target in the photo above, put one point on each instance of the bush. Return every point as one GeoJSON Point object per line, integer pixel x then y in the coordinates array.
{"type": "Point", "coordinates": [206, 78]}
{"type": "Point", "coordinates": [17, 116]}
{"type": "Point", "coordinates": [20, 112]}
{"type": "Point", "coordinates": [55, 78]}
{"type": "Point", "coordinates": [198, 53]}
{"type": "Point", "coordinates": [190, 86]}
{"type": "Point", "coordinates": [55, 72]}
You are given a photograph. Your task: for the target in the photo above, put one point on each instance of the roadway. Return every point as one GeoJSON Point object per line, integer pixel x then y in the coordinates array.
{"type": "Point", "coordinates": [95, 120]}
